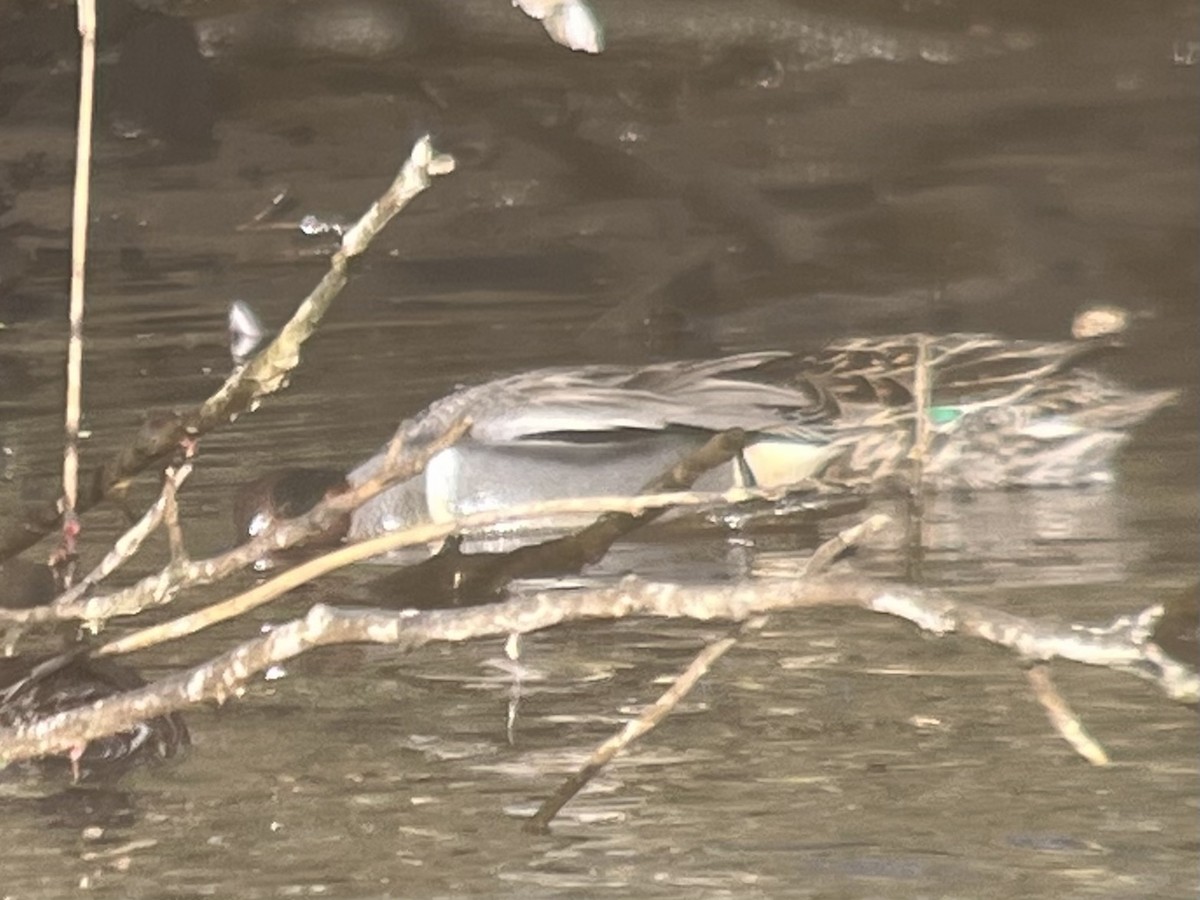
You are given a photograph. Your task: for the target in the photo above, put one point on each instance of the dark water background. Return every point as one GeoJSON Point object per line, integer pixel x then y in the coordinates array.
{"type": "Point", "coordinates": [803, 192]}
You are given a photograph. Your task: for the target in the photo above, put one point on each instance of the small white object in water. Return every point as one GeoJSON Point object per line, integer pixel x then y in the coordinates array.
{"type": "Point", "coordinates": [1099, 321]}
{"type": "Point", "coordinates": [570, 23]}
{"type": "Point", "coordinates": [245, 331]}
{"type": "Point", "coordinates": [512, 647]}
{"type": "Point", "coordinates": [258, 524]}
{"type": "Point", "coordinates": [313, 225]}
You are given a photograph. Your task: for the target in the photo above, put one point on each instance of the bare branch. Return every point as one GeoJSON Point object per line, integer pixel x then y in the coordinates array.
{"type": "Point", "coordinates": [263, 375]}
{"type": "Point", "coordinates": [224, 676]}
{"type": "Point", "coordinates": [1121, 646]}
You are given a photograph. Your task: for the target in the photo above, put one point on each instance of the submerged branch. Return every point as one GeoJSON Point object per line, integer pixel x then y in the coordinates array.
{"type": "Point", "coordinates": [1063, 718]}
{"type": "Point", "coordinates": [655, 713]}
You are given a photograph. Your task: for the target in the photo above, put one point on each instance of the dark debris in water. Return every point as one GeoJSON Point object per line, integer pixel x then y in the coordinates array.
{"type": "Point", "coordinates": [34, 688]}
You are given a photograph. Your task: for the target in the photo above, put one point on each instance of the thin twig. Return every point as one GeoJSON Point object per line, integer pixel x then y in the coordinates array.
{"type": "Point", "coordinates": [171, 518]}
{"type": "Point", "coordinates": [646, 721]}
{"type": "Point", "coordinates": [1063, 718]}
{"type": "Point", "coordinates": [258, 222]}
{"type": "Point", "coordinates": [922, 398]}
{"type": "Point", "coordinates": [830, 551]}
{"type": "Point", "coordinates": [130, 542]}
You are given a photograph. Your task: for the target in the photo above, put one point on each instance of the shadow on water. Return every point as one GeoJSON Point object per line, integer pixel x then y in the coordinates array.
{"type": "Point", "coordinates": [717, 181]}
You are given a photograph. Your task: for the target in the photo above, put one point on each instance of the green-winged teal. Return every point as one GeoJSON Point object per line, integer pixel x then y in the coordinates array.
{"type": "Point", "coordinates": [1000, 414]}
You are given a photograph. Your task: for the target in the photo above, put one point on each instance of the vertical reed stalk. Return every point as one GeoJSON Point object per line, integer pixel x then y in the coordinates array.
{"type": "Point", "coordinates": [79, 223]}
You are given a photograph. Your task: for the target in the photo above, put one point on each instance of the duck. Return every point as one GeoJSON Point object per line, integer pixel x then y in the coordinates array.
{"type": "Point", "coordinates": [1000, 414]}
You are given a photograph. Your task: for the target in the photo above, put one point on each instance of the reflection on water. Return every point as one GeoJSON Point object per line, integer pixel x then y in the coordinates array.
{"type": "Point", "coordinates": [1009, 538]}
{"type": "Point", "coordinates": [713, 183]}
{"type": "Point", "coordinates": [1042, 537]}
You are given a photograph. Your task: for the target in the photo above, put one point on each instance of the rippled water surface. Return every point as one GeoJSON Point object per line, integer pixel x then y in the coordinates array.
{"type": "Point", "coordinates": [733, 182]}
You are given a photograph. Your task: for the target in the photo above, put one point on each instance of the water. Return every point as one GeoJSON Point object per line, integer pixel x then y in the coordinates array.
{"type": "Point", "coordinates": [836, 753]}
